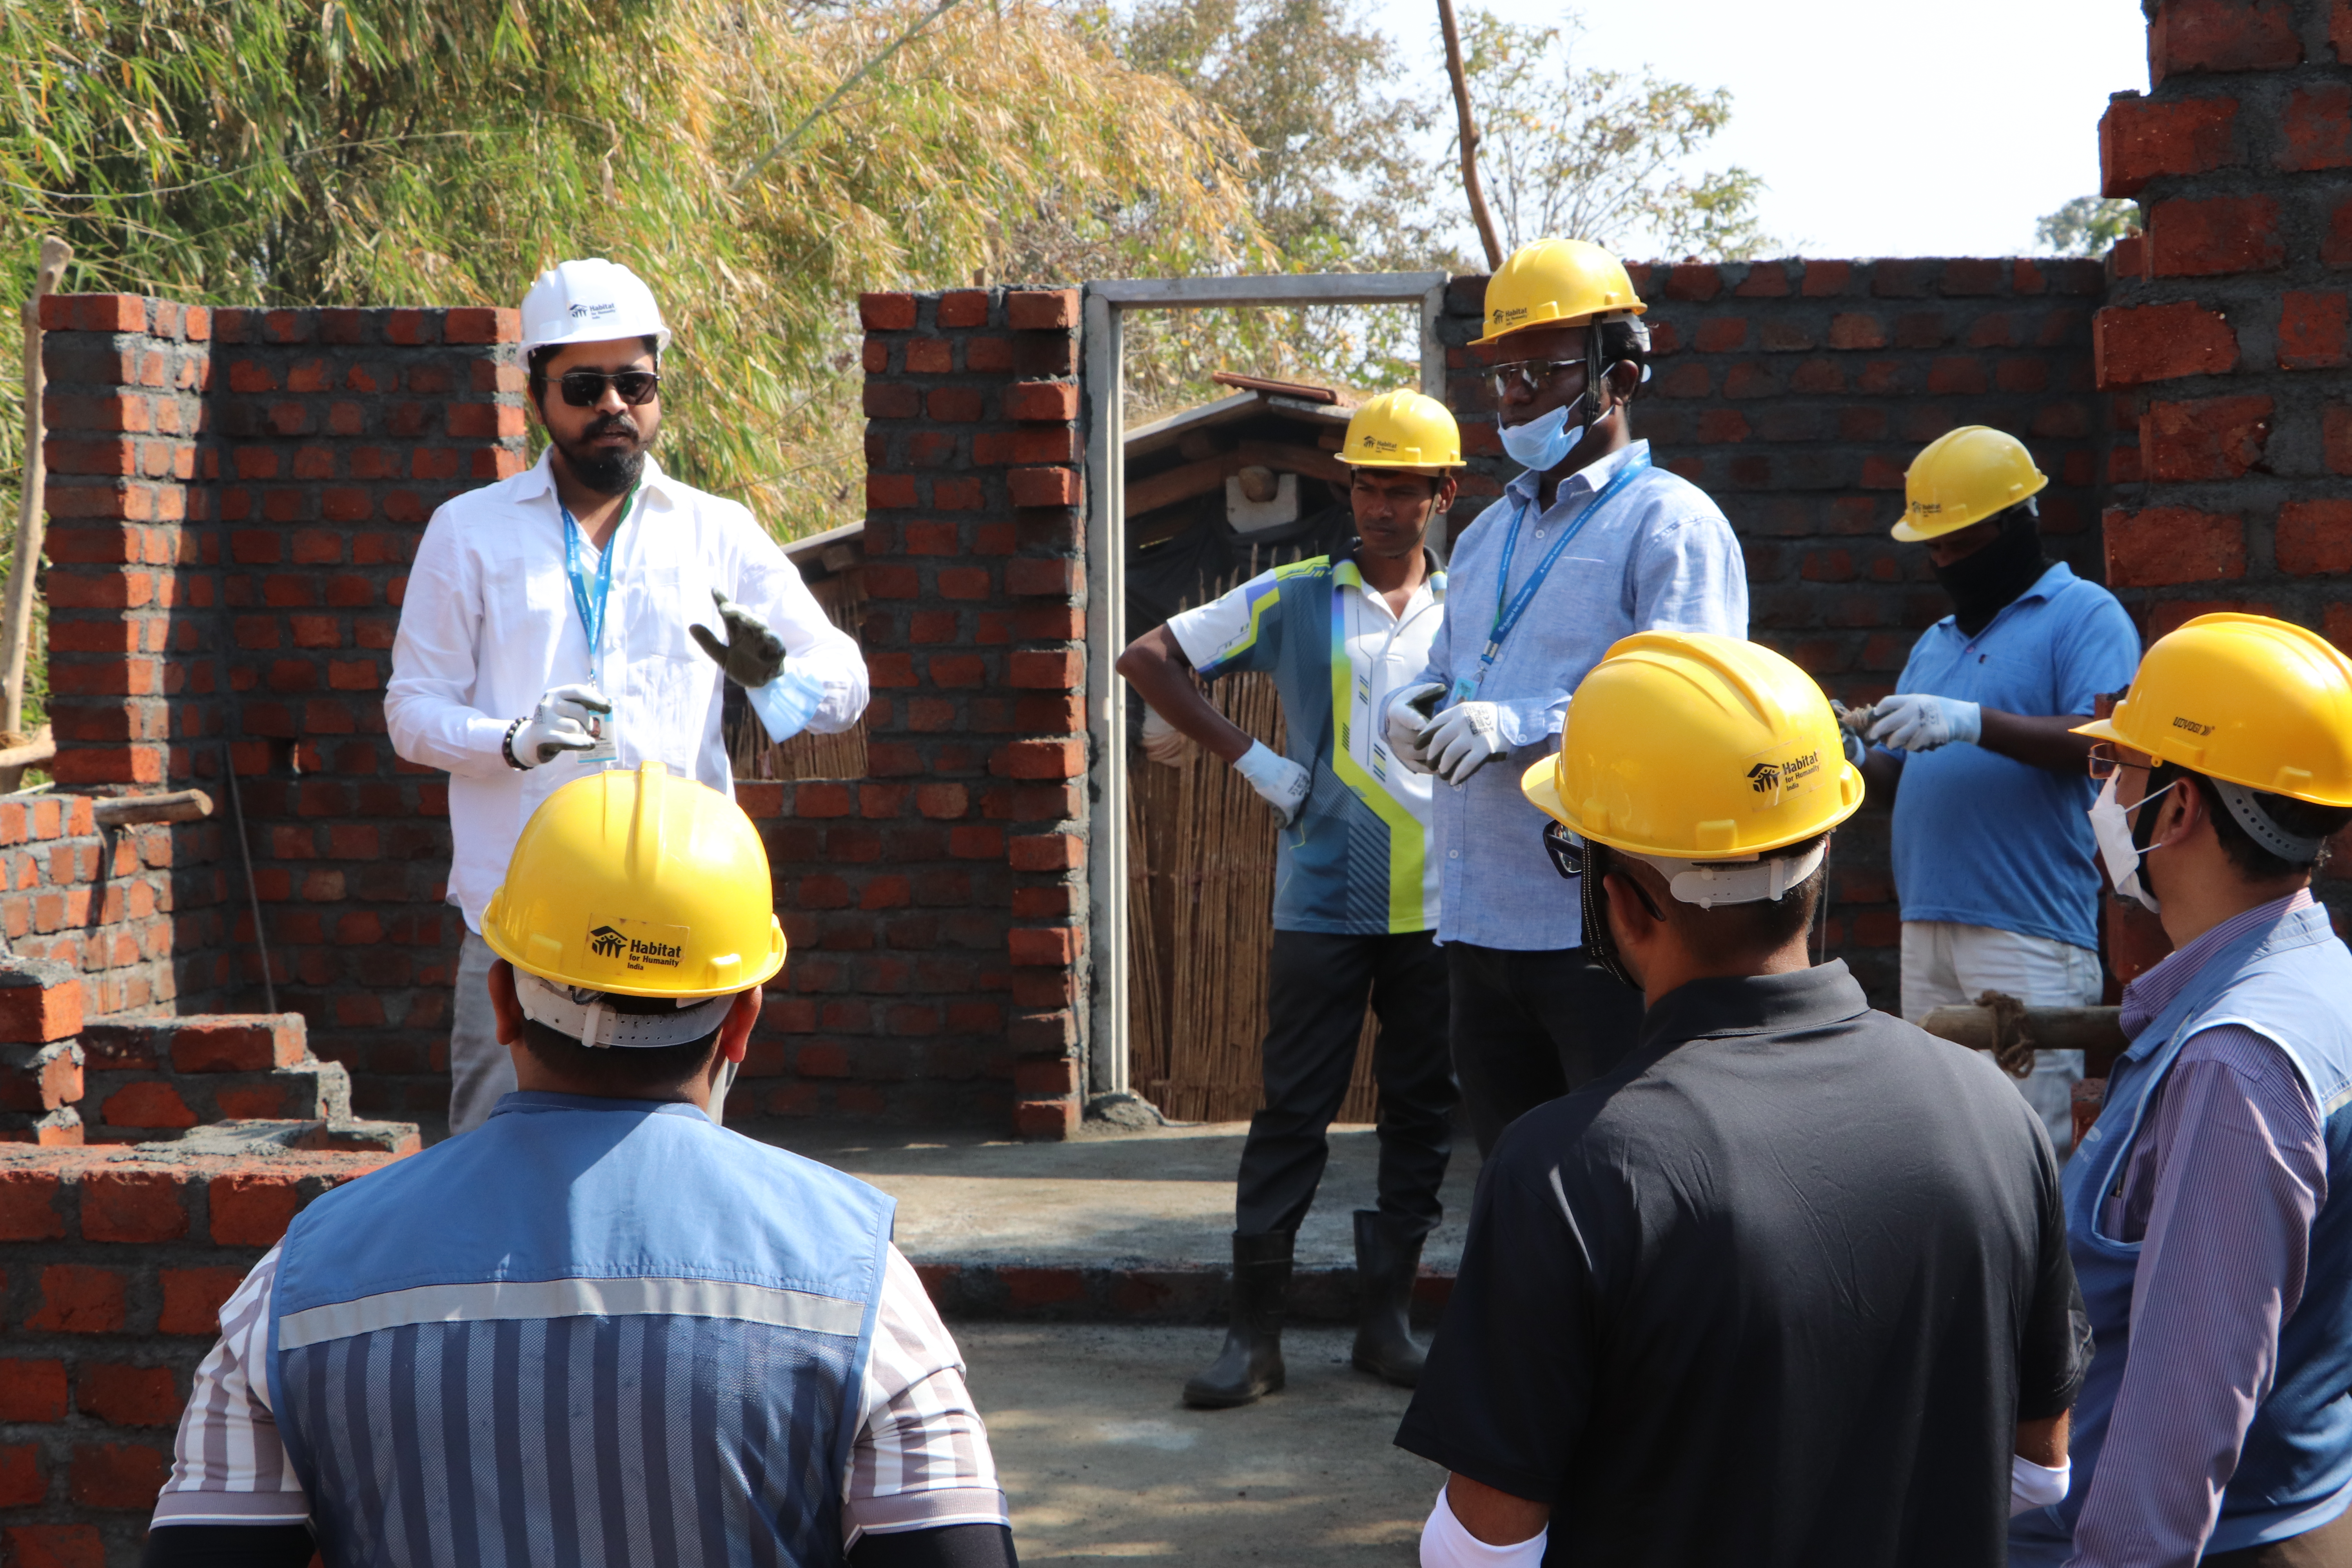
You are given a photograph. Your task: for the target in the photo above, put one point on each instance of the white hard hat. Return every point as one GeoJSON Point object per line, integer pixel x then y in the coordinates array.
{"type": "Point", "coordinates": [589, 302]}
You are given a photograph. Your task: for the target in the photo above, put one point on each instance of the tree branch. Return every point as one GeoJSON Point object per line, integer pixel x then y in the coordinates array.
{"type": "Point", "coordinates": [1469, 137]}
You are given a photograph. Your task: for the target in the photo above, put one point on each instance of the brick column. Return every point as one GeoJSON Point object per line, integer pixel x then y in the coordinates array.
{"type": "Point", "coordinates": [2225, 339]}
{"type": "Point", "coordinates": [125, 411]}
{"type": "Point", "coordinates": [936, 907]}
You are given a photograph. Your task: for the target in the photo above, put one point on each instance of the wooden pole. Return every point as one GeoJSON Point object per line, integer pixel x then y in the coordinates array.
{"type": "Point", "coordinates": [1469, 137]}
{"type": "Point", "coordinates": [24, 570]}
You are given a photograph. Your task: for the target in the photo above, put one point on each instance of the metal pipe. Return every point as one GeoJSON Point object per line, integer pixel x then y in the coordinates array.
{"type": "Point", "coordinates": [252, 893]}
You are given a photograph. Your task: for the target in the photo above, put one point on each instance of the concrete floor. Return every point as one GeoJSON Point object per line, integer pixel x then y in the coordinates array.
{"type": "Point", "coordinates": [1162, 1195]}
{"type": "Point", "coordinates": [1100, 1458]}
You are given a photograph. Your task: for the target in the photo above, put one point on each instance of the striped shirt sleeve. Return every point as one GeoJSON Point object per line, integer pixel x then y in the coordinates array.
{"type": "Point", "coordinates": [922, 1460]}
{"type": "Point", "coordinates": [227, 1464]}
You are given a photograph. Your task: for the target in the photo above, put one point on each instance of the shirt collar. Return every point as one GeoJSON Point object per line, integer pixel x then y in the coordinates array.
{"type": "Point", "coordinates": [2045, 588]}
{"type": "Point", "coordinates": [523, 1100]}
{"type": "Point", "coordinates": [1344, 570]}
{"type": "Point", "coordinates": [539, 480]}
{"type": "Point", "coordinates": [1754, 1005]}
{"type": "Point", "coordinates": [1589, 479]}
{"type": "Point", "coordinates": [2160, 986]}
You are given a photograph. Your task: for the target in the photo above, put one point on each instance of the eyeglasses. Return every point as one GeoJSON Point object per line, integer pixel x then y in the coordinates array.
{"type": "Point", "coordinates": [1532, 375]}
{"type": "Point", "coordinates": [1566, 850]}
{"type": "Point", "coordinates": [2106, 757]}
{"type": "Point", "coordinates": [585, 388]}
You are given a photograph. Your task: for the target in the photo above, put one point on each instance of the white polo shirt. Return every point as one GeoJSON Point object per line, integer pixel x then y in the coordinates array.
{"type": "Point", "coordinates": [488, 625]}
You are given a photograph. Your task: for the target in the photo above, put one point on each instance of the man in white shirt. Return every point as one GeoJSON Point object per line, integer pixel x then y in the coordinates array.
{"type": "Point", "coordinates": [560, 622]}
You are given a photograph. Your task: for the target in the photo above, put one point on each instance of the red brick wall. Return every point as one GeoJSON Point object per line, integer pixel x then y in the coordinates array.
{"type": "Point", "coordinates": [234, 497]}
{"type": "Point", "coordinates": [1796, 392]}
{"type": "Point", "coordinates": [117, 1264]}
{"type": "Point", "coordinates": [937, 907]}
{"type": "Point", "coordinates": [2224, 343]}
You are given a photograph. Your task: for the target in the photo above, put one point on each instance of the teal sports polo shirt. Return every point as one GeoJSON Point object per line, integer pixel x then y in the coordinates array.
{"type": "Point", "coordinates": [1359, 861]}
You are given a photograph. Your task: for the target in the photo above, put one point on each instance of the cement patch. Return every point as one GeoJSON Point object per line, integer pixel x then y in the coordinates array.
{"type": "Point", "coordinates": [1100, 1460]}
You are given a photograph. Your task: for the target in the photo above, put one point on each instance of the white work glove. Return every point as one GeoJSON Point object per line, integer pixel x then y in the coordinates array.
{"type": "Point", "coordinates": [1279, 782]}
{"type": "Point", "coordinates": [2032, 1486]}
{"type": "Point", "coordinates": [1444, 1543]}
{"type": "Point", "coordinates": [1850, 722]}
{"type": "Point", "coordinates": [1463, 739]}
{"type": "Point", "coordinates": [1921, 721]}
{"type": "Point", "coordinates": [1162, 742]}
{"type": "Point", "coordinates": [1409, 714]}
{"type": "Point", "coordinates": [568, 718]}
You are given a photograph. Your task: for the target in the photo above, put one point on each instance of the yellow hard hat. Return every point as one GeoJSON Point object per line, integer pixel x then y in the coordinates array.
{"type": "Point", "coordinates": [1557, 283]}
{"type": "Point", "coordinates": [1692, 747]}
{"type": "Point", "coordinates": [1403, 429]}
{"type": "Point", "coordinates": [1963, 476]}
{"type": "Point", "coordinates": [639, 884]}
{"type": "Point", "coordinates": [2246, 699]}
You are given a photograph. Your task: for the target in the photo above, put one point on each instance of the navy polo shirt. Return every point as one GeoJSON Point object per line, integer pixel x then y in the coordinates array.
{"type": "Point", "coordinates": [1984, 840]}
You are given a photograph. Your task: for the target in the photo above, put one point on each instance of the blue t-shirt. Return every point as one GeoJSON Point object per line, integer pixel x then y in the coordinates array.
{"type": "Point", "coordinates": [1985, 840]}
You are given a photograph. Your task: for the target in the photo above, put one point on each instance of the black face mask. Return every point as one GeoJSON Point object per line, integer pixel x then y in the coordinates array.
{"type": "Point", "coordinates": [1982, 585]}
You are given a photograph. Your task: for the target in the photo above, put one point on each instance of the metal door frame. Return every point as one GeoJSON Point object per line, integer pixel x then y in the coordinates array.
{"type": "Point", "coordinates": [1103, 378]}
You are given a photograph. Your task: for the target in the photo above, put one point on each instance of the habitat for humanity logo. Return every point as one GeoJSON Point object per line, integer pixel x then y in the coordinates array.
{"type": "Point", "coordinates": [610, 942]}
{"type": "Point", "coordinates": [596, 311]}
{"type": "Point", "coordinates": [1770, 778]}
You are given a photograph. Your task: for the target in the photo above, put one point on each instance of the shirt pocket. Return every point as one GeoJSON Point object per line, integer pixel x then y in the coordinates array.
{"type": "Point", "coordinates": [673, 683]}
{"type": "Point", "coordinates": [531, 631]}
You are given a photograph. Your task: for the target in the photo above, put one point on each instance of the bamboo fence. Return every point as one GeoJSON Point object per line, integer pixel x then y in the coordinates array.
{"type": "Point", "coordinates": [1201, 860]}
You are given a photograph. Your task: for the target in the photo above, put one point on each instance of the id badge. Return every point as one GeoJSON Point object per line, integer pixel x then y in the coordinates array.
{"type": "Point", "coordinates": [607, 748]}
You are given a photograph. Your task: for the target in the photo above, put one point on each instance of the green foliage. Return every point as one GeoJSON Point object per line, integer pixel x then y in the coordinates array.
{"type": "Point", "coordinates": [379, 151]}
{"type": "Point", "coordinates": [1596, 154]}
{"type": "Point", "coordinates": [2086, 226]}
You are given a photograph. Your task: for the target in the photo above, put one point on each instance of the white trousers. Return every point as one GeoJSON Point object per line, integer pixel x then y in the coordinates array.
{"type": "Point", "coordinates": [1945, 964]}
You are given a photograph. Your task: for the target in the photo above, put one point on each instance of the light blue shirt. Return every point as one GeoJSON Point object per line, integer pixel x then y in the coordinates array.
{"type": "Point", "coordinates": [1660, 558]}
{"type": "Point", "coordinates": [1984, 840]}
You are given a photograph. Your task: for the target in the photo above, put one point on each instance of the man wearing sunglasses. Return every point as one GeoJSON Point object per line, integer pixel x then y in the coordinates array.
{"type": "Point", "coordinates": [1975, 754]}
{"type": "Point", "coordinates": [2210, 1209]}
{"type": "Point", "coordinates": [1592, 543]}
{"type": "Point", "coordinates": [1787, 1285]}
{"type": "Point", "coordinates": [560, 622]}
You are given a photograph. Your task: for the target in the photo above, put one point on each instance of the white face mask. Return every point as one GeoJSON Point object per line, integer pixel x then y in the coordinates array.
{"type": "Point", "coordinates": [2111, 828]}
{"type": "Point", "coordinates": [1543, 442]}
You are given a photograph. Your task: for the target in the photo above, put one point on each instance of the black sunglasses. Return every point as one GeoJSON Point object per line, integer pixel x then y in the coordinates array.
{"type": "Point", "coordinates": [585, 388]}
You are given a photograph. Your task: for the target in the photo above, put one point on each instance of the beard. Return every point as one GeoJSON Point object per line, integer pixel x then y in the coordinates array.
{"type": "Point", "coordinates": [609, 471]}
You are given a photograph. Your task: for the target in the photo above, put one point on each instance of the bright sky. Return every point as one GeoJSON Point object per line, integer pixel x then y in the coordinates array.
{"type": "Point", "coordinates": [1880, 127]}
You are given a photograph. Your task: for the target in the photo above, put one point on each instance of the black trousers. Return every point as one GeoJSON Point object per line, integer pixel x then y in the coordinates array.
{"type": "Point", "coordinates": [1531, 1027]}
{"type": "Point", "coordinates": [1316, 985]}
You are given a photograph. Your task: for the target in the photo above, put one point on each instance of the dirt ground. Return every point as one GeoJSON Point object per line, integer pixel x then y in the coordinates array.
{"type": "Point", "coordinates": [1101, 1459]}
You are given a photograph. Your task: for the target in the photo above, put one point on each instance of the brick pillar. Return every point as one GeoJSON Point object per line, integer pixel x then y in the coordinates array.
{"type": "Point", "coordinates": [2225, 340]}
{"type": "Point", "coordinates": [948, 919]}
{"type": "Point", "coordinates": [129, 644]}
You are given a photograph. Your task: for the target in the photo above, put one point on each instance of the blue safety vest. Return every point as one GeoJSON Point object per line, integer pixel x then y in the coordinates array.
{"type": "Point", "coordinates": [2291, 984]}
{"type": "Point", "coordinates": [590, 1332]}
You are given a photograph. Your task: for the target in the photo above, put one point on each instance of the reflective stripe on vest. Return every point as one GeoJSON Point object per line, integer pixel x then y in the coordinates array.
{"type": "Point", "coordinates": [587, 1333]}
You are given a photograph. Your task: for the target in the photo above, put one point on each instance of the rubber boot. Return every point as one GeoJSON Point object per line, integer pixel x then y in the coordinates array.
{"type": "Point", "coordinates": [1250, 1365]}
{"type": "Point", "coordinates": [1388, 1257]}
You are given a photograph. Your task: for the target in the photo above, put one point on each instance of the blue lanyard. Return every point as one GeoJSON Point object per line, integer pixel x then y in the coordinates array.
{"type": "Point", "coordinates": [592, 607]}
{"type": "Point", "coordinates": [1507, 615]}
